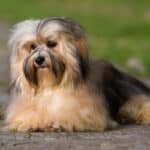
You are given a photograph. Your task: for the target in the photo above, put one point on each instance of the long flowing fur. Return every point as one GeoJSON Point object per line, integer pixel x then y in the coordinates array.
{"type": "Point", "coordinates": [67, 91]}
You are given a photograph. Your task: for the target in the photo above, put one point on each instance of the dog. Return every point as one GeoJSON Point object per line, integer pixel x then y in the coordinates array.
{"type": "Point", "coordinates": [57, 87]}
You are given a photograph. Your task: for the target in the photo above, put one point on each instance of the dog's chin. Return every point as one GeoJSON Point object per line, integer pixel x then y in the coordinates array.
{"type": "Point", "coordinates": [42, 69]}
{"type": "Point", "coordinates": [43, 66]}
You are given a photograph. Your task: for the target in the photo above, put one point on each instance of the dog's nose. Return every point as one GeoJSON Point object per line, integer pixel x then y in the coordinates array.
{"type": "Point", "coordinates": [39, 60]}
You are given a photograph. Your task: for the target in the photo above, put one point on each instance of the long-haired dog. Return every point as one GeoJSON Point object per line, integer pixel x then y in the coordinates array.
{"type": "Point", "coordinates": [56, 87]}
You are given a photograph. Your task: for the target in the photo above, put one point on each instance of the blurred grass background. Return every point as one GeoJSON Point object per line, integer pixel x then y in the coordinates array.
{"type": "Point", "coordinates": [117, 30]}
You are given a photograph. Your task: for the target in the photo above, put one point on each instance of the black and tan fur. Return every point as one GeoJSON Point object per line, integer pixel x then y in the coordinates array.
{"type": "Point", "coordinates": [69, 91]}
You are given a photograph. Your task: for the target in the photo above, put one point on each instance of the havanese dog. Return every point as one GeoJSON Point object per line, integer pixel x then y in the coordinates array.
{"type": "Point", "coordinates": [57, 87]}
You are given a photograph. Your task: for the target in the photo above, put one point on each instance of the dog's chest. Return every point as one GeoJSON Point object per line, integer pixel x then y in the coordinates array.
{"type": "Point", "coordinates": [56, 101]}
{"type": "Point", "coordinates": [63, 103]}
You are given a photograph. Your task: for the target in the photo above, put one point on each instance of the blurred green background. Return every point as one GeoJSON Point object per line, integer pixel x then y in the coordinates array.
{"type": "Point", "coordinates": [118, 30]}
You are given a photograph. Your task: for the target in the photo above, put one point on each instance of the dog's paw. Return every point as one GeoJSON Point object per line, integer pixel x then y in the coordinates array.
{"type": "Point", "coordinates": [136, 111]}
{"type": "Point", "coordinates": [144, 115]}
{"type": "Point", "coordinates": [23, 123]}
{"type": "Point", "coordinates": [19, 126]}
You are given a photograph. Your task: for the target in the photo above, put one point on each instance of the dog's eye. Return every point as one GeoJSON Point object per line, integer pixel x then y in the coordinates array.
{"type": "Point", "coordinates": [51, 44]}
{"type": "Point", "coordinates": [32, 46]}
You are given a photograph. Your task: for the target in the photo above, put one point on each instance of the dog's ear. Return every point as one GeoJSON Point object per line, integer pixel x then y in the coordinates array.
{"type": "Point", "coordinates": [82, 47]}
{"type": "Point", "coordinates": [18, 32]}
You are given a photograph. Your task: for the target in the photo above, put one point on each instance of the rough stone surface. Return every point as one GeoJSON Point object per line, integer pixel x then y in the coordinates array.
{"type": "Point", "coordinates": [124, 138]}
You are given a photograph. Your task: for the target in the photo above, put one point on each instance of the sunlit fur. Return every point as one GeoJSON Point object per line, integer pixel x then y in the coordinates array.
{"type": "Point", "coordinates": [136, 109]}
{"type": "Point", "coordinates": [67, 91]}
{"type": "Point", "coordinates": [46, 100]}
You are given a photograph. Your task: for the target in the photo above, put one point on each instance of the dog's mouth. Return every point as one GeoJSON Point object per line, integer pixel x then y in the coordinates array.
{"type": "Point", "coordinates": [43, 66]}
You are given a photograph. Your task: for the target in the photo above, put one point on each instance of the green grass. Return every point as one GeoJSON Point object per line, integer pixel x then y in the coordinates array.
{"type": "Point", "coordinates": [117, 29]}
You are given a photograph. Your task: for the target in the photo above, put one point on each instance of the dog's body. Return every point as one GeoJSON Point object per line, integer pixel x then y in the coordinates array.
{"type": "Point", "coordinates": [56, 87]}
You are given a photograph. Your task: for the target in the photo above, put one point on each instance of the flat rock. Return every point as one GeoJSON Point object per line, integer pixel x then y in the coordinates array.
{"type": "Point", "coordinates": [124, 138]}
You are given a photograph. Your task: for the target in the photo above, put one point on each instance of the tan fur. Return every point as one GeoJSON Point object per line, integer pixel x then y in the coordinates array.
{"type": "Point", "coordinates": [83, 47]}
{"type": "Point", "coordinates": [61, 109]}
{"type": "Point", "coordinates": [56, 102]}
{"type": "Point", "coordinates": [136, 109]}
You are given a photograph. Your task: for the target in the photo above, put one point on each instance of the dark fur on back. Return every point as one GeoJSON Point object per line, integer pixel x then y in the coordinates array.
{"type": "Point", "coordinates": [117, 87]}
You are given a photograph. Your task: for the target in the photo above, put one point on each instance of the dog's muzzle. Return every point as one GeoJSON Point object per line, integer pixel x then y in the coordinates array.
{"type": "Point", "coordinates": [40, 60]}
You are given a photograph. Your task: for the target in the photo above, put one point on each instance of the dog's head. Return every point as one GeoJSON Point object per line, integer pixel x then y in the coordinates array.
{"type": "Point", "coordinates": [50, 51]}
